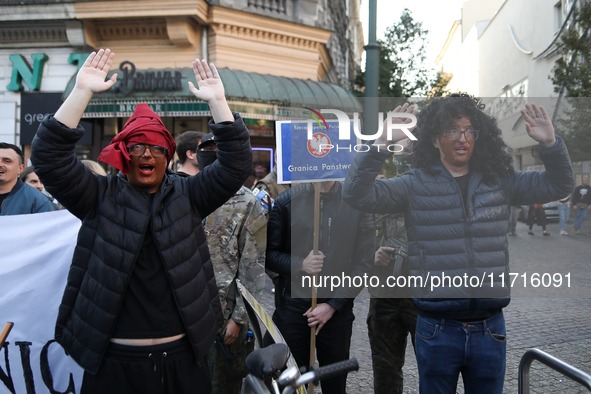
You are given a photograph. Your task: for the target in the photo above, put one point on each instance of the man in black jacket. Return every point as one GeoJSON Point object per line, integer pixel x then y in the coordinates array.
{"type": "Point", "coordinates": [457, 205]}
{"type": "Point", "coordinates": [141, 307]}
{"type": "Point", "coordinates": [346, 246]}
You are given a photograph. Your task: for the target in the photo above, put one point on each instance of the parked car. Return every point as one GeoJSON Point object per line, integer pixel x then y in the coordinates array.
{"type": "Point", "coordinates": [550, 209]}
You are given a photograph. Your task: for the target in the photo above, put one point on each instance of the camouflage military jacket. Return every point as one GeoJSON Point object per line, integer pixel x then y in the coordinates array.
{"type": "Point", "coordinates": [270, 185]}
{"type": "Point", "coordinates": [389, 226]}
{"type": "Point", "coordinates": [237, 239]}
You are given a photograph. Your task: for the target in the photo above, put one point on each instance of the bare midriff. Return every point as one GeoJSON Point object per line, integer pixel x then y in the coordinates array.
{"type": "Point", "coordinates": [146, 341]}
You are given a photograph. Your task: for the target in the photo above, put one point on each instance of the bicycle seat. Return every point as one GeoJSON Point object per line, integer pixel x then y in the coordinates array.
{"type": "Point", "coordinates": [265, 361]}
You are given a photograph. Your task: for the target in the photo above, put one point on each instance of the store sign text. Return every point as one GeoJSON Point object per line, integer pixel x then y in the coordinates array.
{"type": "Point", "coordinates": [132, 80]}
{"type": "Point", "coordinates": [21, 70]}
{"type": "Point", "coordinates": [129, 79]}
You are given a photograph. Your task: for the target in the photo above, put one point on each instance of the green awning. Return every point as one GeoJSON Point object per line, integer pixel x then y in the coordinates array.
{"type": "Point", "coordinates": [252, 94]}
{"type": "Point", "coordinates": [248, 86]}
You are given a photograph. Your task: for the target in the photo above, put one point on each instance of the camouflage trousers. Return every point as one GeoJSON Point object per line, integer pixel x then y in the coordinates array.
{"type": "Point", "coordinates": [227, 378]}
{"type": "Point", "coordinates": [389, 321]}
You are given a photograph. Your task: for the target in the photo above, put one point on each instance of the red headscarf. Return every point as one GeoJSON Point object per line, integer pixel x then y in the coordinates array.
{"type": "Point", "coordinates": [144, 127]}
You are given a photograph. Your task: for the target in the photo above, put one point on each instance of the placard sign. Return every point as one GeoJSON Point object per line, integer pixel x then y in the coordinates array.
{"type": "Point", "coordinates": [311, 152]}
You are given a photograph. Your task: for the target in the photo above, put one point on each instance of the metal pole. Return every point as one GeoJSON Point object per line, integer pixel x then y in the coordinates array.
{"type": "Point", "coordinates": [372, 74]}
{"type": "Point", "coordinates": [558, 365]}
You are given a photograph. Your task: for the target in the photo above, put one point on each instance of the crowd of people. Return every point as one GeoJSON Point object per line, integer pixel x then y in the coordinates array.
{"type": "Point", "coordinates": [151, 302]}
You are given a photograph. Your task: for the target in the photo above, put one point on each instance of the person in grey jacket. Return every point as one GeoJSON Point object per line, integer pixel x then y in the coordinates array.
{"type": "Point", "coordinates": [457, 204]}
{"type": "Point", "coordinates": [141, 306]}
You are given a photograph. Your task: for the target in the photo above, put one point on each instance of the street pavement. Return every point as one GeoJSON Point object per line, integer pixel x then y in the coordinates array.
{"type": "Point", "coordinates": [556, 320]}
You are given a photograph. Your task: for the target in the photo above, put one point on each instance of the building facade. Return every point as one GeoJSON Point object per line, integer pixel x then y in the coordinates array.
{"type": "Point", "coordinates": [504, 51]}
{"type": "Point", "coordinates": [274, 56]}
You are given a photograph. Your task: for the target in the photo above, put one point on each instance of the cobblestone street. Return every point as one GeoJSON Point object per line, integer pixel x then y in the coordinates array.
{"type": "Point", "coordinates": [554, 320]}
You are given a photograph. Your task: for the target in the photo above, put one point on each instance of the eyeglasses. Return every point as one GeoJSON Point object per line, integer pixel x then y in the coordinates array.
{"type": "Point", "coordinates": [139, 149]}
{"type": "Point", "coordinates": [455, 134]}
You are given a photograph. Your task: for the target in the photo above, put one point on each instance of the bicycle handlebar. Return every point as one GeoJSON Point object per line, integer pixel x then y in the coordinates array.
{"type": "Point", "coordinates": [334, 370]}
{"type": "Point", "coordinates": [323, 373]}
{"type": "Point", "coordinates": [264, 361]}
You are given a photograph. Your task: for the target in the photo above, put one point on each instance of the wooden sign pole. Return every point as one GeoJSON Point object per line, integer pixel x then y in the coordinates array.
{"type": "Point", "coordinates": [314, 292]}
{"type": "Point", "coordinates": [5, 332]}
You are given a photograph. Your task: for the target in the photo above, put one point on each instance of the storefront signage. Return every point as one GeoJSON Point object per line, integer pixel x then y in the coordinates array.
{"type": "Point", "coordinates": [21, 70]}
{"type": "Point", "coordinates": [34, 107]}
{"type": "Point", "coordinates": [166, 90]}
{"type": "Point", "coordinates": [131, 80]}
{"type": "Point", "coordinates": [124, 108]}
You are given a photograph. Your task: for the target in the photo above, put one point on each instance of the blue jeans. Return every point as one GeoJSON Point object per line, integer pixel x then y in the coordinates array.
{"type": "Point", "coordinates": [564, 213]}
{"type": "Point", "coordinates": [446, 348]}
{"type": "Point", "coordinates": [513, 219]}
{"type": "Point", "coordinates": [580, 216]}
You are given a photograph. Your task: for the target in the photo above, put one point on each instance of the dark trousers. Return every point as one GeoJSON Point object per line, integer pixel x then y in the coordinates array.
{"type": "Point", "coordinates": [388, 323]}
{"type": "Point", "coordinates": [168, 368]}
{"type": "Point", "coordinates": [332, 343]}
{"type": "Point", "coordinates": [226, 377]}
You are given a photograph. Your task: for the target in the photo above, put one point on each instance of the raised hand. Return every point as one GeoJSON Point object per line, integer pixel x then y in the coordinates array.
{"type": "Point", "coordinates": [538, 125]}
{"type": "Point", "coordinates": [211, 90]}
{"type": "Point", "coordinates": [397, 134]}
{"type": "Point", "coordinates": [93, 72]}
{"type": "Point", "coordinates": [90, 80]}
{"type": "Point", "coordinates": [208, 80]}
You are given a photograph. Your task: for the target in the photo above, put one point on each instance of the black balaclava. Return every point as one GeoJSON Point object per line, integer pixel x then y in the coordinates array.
{"type": "Point", "coordinates": [205, 158]}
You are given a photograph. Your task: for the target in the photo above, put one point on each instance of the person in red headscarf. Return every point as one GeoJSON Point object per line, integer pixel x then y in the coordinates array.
{"type": "Point", "coordinates": [141, 306]}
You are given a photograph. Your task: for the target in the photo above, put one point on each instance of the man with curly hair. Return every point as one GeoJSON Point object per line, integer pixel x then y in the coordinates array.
{"type": "Point", "coordinates": [457, 201]}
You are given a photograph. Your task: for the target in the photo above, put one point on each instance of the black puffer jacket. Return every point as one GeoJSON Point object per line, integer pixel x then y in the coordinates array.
{"type": "Point", "coordinates": [443, 237]}
{"type": "Point", "coordinates": [115, 216]}
{"type": "Point", "coordinates": [346, 238]}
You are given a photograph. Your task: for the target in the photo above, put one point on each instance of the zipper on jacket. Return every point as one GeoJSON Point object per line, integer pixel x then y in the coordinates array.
{"type": "Point", "coordinates": [151, 214]}
{"type": "Point", "coordinates": [320, 232]}
{"type": "Point", "coordinates": [174, 296]}
{"type": "Point", "coordinates": [423, 270]}
{"type": "Point", "coordinates": [125, 289]}
{"type": "Point", "coordinates": [329, 224]}
{"type": "Point", "coordinates": [176, 301]}
{"type": "Point", "coordinates": [465, 212]}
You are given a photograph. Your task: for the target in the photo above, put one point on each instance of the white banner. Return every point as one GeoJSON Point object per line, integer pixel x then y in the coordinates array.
{"type": "Point", "coordinates": [35, 255]}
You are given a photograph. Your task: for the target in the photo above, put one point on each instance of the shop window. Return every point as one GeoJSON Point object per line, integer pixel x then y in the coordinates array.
{"type": "Point", "coordinates": [262, 162]}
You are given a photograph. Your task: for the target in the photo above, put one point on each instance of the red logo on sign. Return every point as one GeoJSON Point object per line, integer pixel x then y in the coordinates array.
{"type": "Point", "coordinates": [319, 145]}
